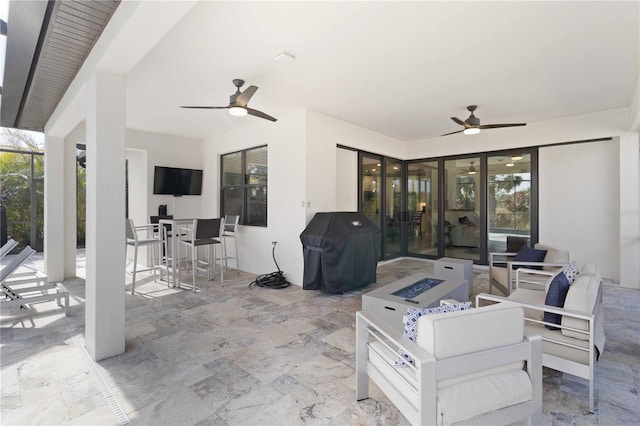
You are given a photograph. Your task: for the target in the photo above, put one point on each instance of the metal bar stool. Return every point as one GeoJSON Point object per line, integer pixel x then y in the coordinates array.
{"type": "Point", "coordinates": [135, 242]}
{"type": "Point", "coordinates": [205, 232]}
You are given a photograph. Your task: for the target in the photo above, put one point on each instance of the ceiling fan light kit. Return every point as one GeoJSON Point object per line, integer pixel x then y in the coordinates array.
{"type": "Point", "coordinates": [238, 103]}
{"type": "Point", "coordinates": [237, 111]}
{"type": "Point", "coordinates": [472, 124]}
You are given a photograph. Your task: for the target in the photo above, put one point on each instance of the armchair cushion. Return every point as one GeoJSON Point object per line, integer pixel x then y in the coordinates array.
{"type": "Point", "coordinates": [556, 295]}
{"type": "Point", "coordinates": [554, 255]}
{"type": "Point", "coordinates": [473, 330]}
{"type": "Point", "coordinates": [464, 401]}
{"type": "Point", "coordinates": [528, 254]}
{"type": "Point", "coordinates": [411, 325]}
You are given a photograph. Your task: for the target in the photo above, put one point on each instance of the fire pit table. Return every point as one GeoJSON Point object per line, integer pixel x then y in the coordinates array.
{"type": "Point", "coordinates": [391, 301]}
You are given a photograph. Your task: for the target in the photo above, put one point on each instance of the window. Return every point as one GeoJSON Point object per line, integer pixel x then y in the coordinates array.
{"type": "Point", "coordinates": [244, 185]}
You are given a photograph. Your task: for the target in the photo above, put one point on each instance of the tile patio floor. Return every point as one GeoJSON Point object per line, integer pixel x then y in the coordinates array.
{"type": "Point", "coordinates": [252, 356]}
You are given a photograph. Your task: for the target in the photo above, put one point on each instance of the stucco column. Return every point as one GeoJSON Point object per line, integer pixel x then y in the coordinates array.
{"type": "Point", "coordinates": [629, 210]}
{"type": "Point", "coordinates": [105, 244]}
{"type": "Point", "coordinates": [70, 212]}
{"type": "Point", "coordinates": [54, 208]}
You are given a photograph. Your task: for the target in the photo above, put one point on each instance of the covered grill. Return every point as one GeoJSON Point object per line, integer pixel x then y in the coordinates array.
{"type": "Point", "coordinates": [340, 252]}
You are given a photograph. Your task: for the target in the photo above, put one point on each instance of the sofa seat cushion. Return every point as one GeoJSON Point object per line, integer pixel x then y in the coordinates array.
{"type": "Point", "coordinates": [533, 297]}
{"type": "Point", "coordinates": [471, 398]}
{"type": "Point", "coordinates": [552, 344]}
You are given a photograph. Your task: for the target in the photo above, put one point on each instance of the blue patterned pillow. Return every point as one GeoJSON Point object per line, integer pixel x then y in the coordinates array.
{"type": "Point", "coordinates": [556, 296]}
{"type": "Point", "coordinates": [571, 271]}
{"type": "Point", "coordinates": [411, 325]}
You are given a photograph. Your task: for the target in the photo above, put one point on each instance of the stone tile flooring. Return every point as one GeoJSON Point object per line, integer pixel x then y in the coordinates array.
{"type": "Point", "coordinates": [252, 356]}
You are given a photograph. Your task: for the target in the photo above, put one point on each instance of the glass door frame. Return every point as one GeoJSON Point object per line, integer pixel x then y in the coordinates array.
{"type": "Point", "coordinates": [482, 200]}
{"type": "Point", "coordinates": [382, 189]}
{"type": "Point", "coordinates": [483, 182]}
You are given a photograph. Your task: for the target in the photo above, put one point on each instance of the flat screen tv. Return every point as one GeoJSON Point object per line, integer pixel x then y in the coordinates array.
{"type": "Point", "coordinates": [176, 181]}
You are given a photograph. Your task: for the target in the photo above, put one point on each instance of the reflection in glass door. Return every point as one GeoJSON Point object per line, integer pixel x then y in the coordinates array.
{"type": "Point", "coordinates": [422, 205]}
{"type": "Point", "coordinates": [393, 209]}
{"type": "Point", "coordinates": [462, 217]}
{"type": "Point", "coordinates": [509, 201]}
{"type": "Point", "coordinates": [370, 200]}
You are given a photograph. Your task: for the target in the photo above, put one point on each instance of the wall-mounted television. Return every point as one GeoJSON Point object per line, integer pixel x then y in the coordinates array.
{"type": "Point", "coordinates": [176, 181]}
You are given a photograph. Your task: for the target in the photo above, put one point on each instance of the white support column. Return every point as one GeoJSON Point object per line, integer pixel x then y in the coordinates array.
{"type": "Point", "coordinates": [54, 208]}
{"type": "Point", "coordinates": [629, 210]}
{"type": "Point", "coordinates": [70, 213]}
{"type": "Point", "coordinates": [105, 245]}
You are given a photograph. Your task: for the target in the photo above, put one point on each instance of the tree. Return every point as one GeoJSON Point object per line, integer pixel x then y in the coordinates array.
{"type": "Point", "coordinates": [21, 180]}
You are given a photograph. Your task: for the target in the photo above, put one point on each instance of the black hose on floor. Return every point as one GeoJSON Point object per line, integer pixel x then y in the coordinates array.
{"type": "Point", "coordinates": [274, 279]}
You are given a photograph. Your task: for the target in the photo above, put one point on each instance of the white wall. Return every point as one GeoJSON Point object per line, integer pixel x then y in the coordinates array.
{"type": "Point", "coordinates": [579, 193]}
{"type": "Point", "coordinates": [346, 180]}
{"type": "Point", "coordinates": [286, 192]}
{"type": "Point", "coordinates": [323, 134]}
{"type": "Point", "coordinates": [170, 151]}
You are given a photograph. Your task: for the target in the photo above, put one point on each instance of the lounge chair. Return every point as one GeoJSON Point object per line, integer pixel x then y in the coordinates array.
{"type": "Point", "coordinates": [15, 284]}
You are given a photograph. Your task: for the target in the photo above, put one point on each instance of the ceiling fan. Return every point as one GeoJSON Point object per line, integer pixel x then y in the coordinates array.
{"type": "Point", "coordinates": [472, 124]}
{"type": "Point", "coordinates": [238, 102]}
{"type": "Point", "coordinates": [471, 170]}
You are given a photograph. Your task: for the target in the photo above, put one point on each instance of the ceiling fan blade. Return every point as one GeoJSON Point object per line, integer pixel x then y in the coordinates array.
{"type": "Point", "coordinates": [243, 98]}
{"type": "Point", "coordinates": [260, 114]}
{"type": "Point", "coordinates": [452, 133]}
{"type": "Point", "coordinates": [495, 126]}
{"type": "Point", "coordinates": [206, 107]}
{"type": "Point", "coordinates": [458, 121]}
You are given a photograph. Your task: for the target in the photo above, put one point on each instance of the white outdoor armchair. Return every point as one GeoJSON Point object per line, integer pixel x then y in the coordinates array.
{"type": "Point", "coordinates": [502, 274]}
{"type": "Point", "coordinates": [475, 366]}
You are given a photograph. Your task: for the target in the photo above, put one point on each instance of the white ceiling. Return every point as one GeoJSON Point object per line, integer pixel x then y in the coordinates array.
{"type": "Point", "coordinates": [397, 68]}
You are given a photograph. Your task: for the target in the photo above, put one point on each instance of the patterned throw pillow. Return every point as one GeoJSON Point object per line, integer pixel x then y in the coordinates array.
{"type": "Point", "coordinates": [571, 271]}
{"type": "Point", "coordinates": [411, 325]}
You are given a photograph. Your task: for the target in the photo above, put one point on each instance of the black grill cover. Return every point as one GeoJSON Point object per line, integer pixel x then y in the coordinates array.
{"type": "Point", "coordinates": [340, 252]}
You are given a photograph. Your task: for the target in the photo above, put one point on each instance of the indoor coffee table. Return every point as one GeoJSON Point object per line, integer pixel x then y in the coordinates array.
{"type": "Point", "coordinates": [390, 302]}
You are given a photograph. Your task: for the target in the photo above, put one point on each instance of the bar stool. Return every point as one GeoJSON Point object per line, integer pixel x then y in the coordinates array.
{"type": "Point", "coordinates": [230, 227]}
{"type": "Point", "coordinates": [205, 232]}
{"type": "Point", "coordinates": [135, 242]}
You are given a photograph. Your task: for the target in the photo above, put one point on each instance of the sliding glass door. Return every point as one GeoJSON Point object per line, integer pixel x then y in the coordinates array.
{"type": "Point", "coordinates": [509, 201]}
{"type": "Point", "coordinates": [393, 207]}
{"type": "Point", "coordinates": [462, 208]}
{"type": "Point", "coordinates": [422, 205]}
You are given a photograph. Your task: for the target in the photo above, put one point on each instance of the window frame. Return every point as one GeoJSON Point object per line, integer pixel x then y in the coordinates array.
{"type": "Point", "coordinates": [245, 188]}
